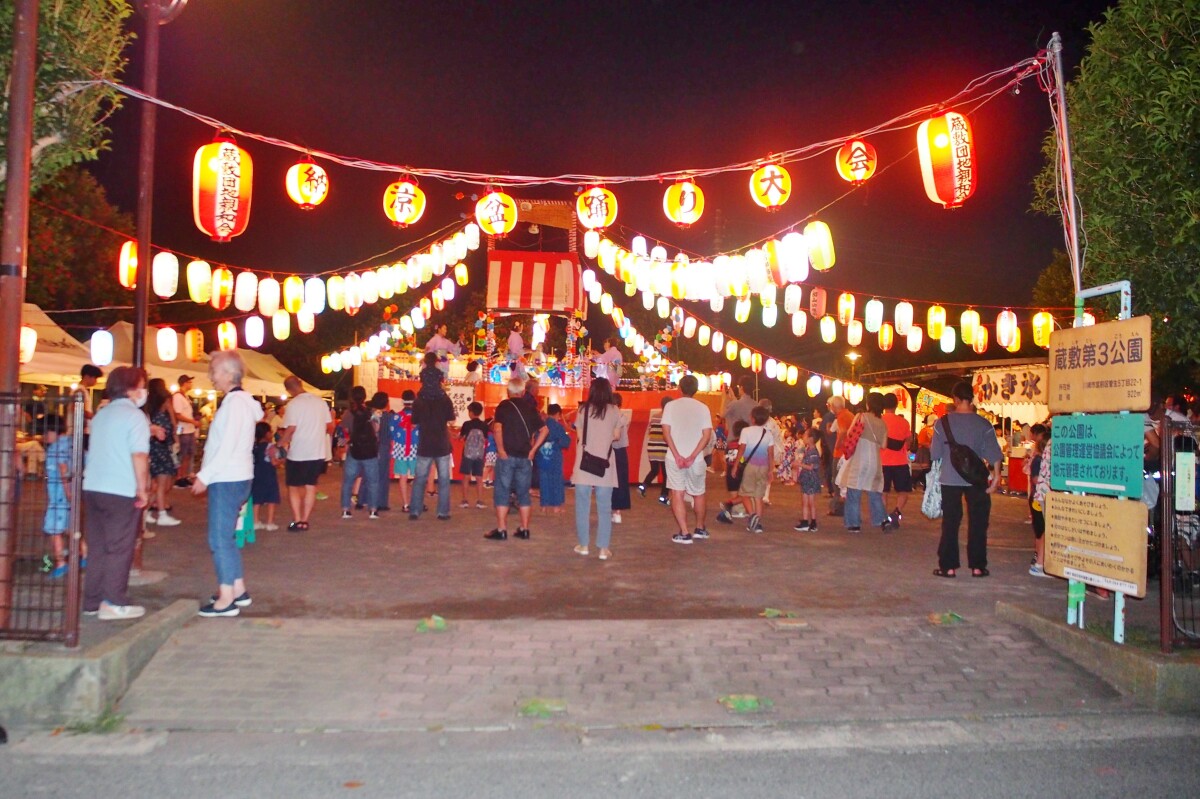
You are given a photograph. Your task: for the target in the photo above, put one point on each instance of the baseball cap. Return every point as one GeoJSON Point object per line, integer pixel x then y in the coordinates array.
{"type": "Point", "coordinates": [184, 379]}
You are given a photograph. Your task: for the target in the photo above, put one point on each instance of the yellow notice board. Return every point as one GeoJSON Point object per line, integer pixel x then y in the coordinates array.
{"type": "Point", "coordinates": [1102, 368]}
{"type": "Point", "coordinates": [1100, 541]}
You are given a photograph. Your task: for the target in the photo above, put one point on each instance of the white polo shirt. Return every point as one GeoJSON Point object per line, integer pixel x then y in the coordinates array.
{"type": "Point", "coordinates": [309, 414]}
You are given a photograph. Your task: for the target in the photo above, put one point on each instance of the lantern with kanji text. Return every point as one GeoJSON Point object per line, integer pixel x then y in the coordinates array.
{"type": "Point", "coordinates": [770, 186]}
{"type": "Point", "coordinates": [1043, 326]}
{"type": "Point", "coordinates": [856, 161]}
{"type": "Point", "coordinates": [222, 178]}
{"type": "Point", "coordinates": [403, 203]}
{"type": "Point", "coordinates": [596, 209]}
{"type": "Point", "coordinates": [683, 203]}
{"type": "Point", "coordinates": [496, 213]}
{"type": "Point", "coordinates": [946, 148]}
{"type": "Point", "coordinates": [193, 344]}
{"type": "Point", "coordinates": [935, 321]}
{"type": "Point", "coordinates": [307, 184]}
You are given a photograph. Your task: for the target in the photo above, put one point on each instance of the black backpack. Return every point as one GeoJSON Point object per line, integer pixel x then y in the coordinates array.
{"type": "Point", "coordinates": [364, 444]}
{"type": "Point", "coordinates": [964, 459]}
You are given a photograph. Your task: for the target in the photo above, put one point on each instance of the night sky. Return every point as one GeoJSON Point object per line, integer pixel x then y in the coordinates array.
{"type": "Point", "coordinates": [613, 88]}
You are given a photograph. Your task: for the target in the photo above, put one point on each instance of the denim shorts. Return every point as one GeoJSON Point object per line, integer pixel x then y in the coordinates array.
{"type": "Point", "coordinates": [513, 475]}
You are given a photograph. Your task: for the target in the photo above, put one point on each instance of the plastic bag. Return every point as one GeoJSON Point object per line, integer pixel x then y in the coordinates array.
{"type": "Point", "coordinates": [931, 505]}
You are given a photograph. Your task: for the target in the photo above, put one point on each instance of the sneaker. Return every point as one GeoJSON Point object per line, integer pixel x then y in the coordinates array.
{"type": "Point", "coordinates": [853, 529]}
{"type": "Point", "coordinates": [895, 518]}
{"type": "Point", "coordinates": [295, 527]}
{"type": "Point", "coordinates": [373, 515]}
{"type": "Point", "coordinates": [723, 517]}
{"type": "Point", "coordinates": [664, 499]}
{"type": "Point", "coordinates": [751, 522]}
{"type": "Point", "coordinates": [522, 533]}
{"type": "Point", "coordinates": [270, 527]}
{"type": "Point", "coordinates": [480, 505]}
{"type": "Point", "coordinates": [605, 554]}
{"type": "Point", "coordinates": [151, 517]}
{"type": "Point", "coordinates": [616, 517]}
{"type": "Point", "coordinates": [682, 538]}
{"type": "Point", "coordinates": [211, 611]}
{"type": "Point", "coordinates": [243, 601]}
{"type": "Point", "coordinates": [802, 526]}
{"type": "Point", "coordinates": [260, 526]}
{"type": "Point", "coordinates": [346, 514]}
{"type": "Point", "coordinates": [464, 504]}
{"type": "Point", "coordinates": [887, 526]}
{"type": "Point", "coordinates": [496, 535]}
{"type": "Point", "coordinates": [1036, 570]}
{"type": "Point", "coordinates": [812, 528]}
{"type": "Point", "coordinates": [581, 550]}
{"type": "Point", "coordinates": [642, 490]}
{"type": "Point", "coordinates": [167, 520]}
{"type": "Point", "coordinates": [59, 572]}
{"type": "Point", "coordinates": [321, 495]}
{"type": "Point", "coordinates": [444, 518]}
{"type": "Point", "coordinates": [109, 612]}
{"type": "Point", "coordinates": [757, 528]}
{"type": "Point", "coordinates": [700, 533]}
{"type": "Point", "coordinates": [738, 512]}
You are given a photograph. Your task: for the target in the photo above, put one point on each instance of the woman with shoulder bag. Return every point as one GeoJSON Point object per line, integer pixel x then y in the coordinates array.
{"type": "Point", "coordinates": [863, 470]}
{"type": "Point", "coordinates": [599, 426]}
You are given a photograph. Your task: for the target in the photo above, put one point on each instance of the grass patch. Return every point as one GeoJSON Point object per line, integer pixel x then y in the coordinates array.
{"type": "Point", "coordinates": [1137, 637]}
{"type": "Point", "coordinates": [106, 722]}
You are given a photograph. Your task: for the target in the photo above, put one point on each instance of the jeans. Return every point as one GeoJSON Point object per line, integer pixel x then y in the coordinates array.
{"type": "Point", "coordinates": [369, 471]}
{"type": "Point", "coordinates": [513, 474]}
{"type": "Point", "coordinates": [583, 512]}
{"type": "Point", "coordinates": [854, 507]}
{"type": "Point", "coordinates": [443, 484]}
{"type": "Point", "coordinates": [383, 486]}
{"type": "Point", "coordinates": [979, 510]}
{"type": "Point", "coordinates": [225, 501]}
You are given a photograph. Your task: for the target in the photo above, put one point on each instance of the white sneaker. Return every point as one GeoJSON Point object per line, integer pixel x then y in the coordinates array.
{"type": "Point", "coordinates": [167, 520]}
{"type": "Point", "coordinates": [616, 517]}
{"type": "Point", "coordinates": [738, 512]}
{"type": "Point", "coordinates": [260, 526]}
{"type": "Point", "coordinates": [270, 528]}
{"type": "Point", "coordinates": [151, 517]}
{"type": "Point", "coordinates": [120, 612]}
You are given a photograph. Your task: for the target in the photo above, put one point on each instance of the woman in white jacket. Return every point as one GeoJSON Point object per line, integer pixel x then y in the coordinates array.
{"type": "Point", "coordinates": [226, 474]}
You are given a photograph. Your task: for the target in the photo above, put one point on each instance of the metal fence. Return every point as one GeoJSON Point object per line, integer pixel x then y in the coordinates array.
{"type": "Point", "coordinates": [1177, 531]}
{"type": "Point", "coordinates": [40, 573]}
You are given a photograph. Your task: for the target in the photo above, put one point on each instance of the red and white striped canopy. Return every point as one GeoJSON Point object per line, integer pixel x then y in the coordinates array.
{"type": "Point", "coordinates": [543, 282]}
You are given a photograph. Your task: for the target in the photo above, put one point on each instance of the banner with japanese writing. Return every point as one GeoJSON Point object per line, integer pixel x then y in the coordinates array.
{"type": "Point", "coordinates": [1013, 385]}
{"type": "Point", "coordinates": [1100, 453]}
{"type": "Point", "coordinates": [1100, 541]}
{"type": "Point", "coordinates": [1101, 368]}
{"type": "Point", "coordinates": [460, 398]}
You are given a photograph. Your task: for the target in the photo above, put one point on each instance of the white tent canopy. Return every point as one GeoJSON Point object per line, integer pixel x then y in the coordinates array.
{"type": "Point", "coordinates": [58, 357]}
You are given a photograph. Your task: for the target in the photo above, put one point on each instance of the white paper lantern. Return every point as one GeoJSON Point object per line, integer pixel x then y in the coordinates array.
{"type": "Point", "coordinates": [164, 278]}
{"type": "Point", "coordinates": [268, 296]}
{"type": "Point", "coordinates": [281, 324]}
{"type": "Point", "coordinates": [168, 344]}
{"type": "Point", "coordinates": [255, 331]}
{"type": "Point", "coordinates": [102, 348]}
{"type": "Point", "coordinates": [873, 316]}
{"type": "Point", "coordinates": [314, 295]}
{"type": "Point", "coordinates": [245, 291]}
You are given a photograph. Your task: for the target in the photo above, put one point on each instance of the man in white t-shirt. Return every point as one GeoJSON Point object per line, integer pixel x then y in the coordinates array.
{"type": "Point", "coordinates": [185, 430]}
{"type": "Point", "coordinates": [687, 428]}
{"type": "Point", "coordinates": [306, 427]}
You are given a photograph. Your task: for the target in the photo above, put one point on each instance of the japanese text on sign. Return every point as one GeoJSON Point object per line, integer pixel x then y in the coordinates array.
{"type": "Point", "coordinates": [1098, 453]}
{"type": "Point", "coordinates": [1101, 368]}
{"type": "Point", "coordinates": [1025, 384]}
{"type": "Point", "coordinates": [1100, 541]}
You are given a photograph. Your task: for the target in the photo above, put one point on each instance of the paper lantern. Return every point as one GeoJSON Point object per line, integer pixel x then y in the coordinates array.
{"type": "Point", "coordinates": [904, 317]}
{"type": "Point", "coordinates": [1043, 326]}
{"type": "Point", "coordinates": [689, 327]}
{"type": "Point", "coordinates": [403, 203]}
{"type": "Point", "coordinates": [448, 289]}
{"type": "Point", "coordinates": [820, 246]}
{"type": "Point", "coordinates": [268, 295]}
{"type": "Point", "coordinates": [771, 368]}
{"type": "Point", "coordinates": [27, 344]}
{"type": "Point", "coordinates": [326, 366]}
{"type": "Point", "coordinates": [127, 265]}
{"type": "Point", "coordinates": [813, 385]}
{"type": "Point", "coordinates": [828, 329]}
{"type": "Point", "coordinates": [793, 258]}
{"type": "Point", "coordinates": [281, 325]}
{"type": "Point", "coordinates": [226, 336]}
{"type": "Point", "coordinates": [193, 344]}
{"type": "Point", "coordinates": [255, 331]}
{"type": "Point", "coordinates": [887, 335]}
{"type": "Point", "coordinates": [222, 288]}
{"type": "Point", "coordinates": [168, 344]}
{"type": "Point", "coordinates": [856, 162]}
{"type": "Point", "coordinates": [683, 203]}
{"type": "Point", "coordinates": [471, 232]}
{"type": "Point", "coordinates": [437, 299]}
{"type": "Point", "coordinates": [968, 322]}
{"type": "Point", "coordinates": [293, 295]}
{"type": "Point", "coordinates": [101, 347]}
{"type": "Point", "coordinates": [199, 279]}
{"type": "Point", "coordinates": [792, 297]}
{"type": "Point", "coordinates": [947, 151]}
{"type": "Point", "coordinates": [756, 362]}
{"type": "Point", "coordinates": [245, 291]}
{"type": "Point", "coordinates": [496, 213]}
{"type": "Point", "coordinates": [596, 209]}
{"type": "Point", "coordinates": [426, 306]}
{"type": "Point", "coordinates": [873, 316]}
{"type": "Point", "coordinates": [770, 186]}
{"type": "Point", "coordinates": [1086, 320]}
{"type": "Point", "coordinates": [164, 275]}
{"type": "Point", "coordinates": [854, 333]}
{"type": "Point", "coordinates": [1006, 328]}
{"type": "Point", "coordinates": [838, 388]}
{"type": "Point", "coordinates": [1015, 344]}
{"type": "Point", "coordinates": [718, 341]}
{"type": "Point", "coordinates": [799, 323]}
{"type": "Point", "coordinates": [770, 315]}
{"type": "Point", "coordinates": [606, 303]}
{"type": "Point", "coordinates": [935, 321]}
{"type": "Point", "coordinates": [915, 337]}
{"type": "Point", "coordinates": [947, 340]}
{"type": "Point", "coordinates": [305, 320]}
{"type": "Point", "coordinates": [744, 357]}
{"type": "Point", "coordinates": [816, 303]}
{"type": "Point", "coordinates": [307, 184]}
{"type": "Point", "coordinates": [845, 308]}
{"type": "Point", "coordinates": [979, 341]}
{"type": "Point", "coordinates": [222, 178]}
{"type": "Point", "coordinates": [741, 311]}
{"type": "Point", "coordinates": [663, 307]}
{"type": "Point", "coordinates": [703, 335]}
{"type": "Point", "coordinates": [314, 295]}
{"type": "Point", "coordinates": [793, 375]}
{"type": "Point", "coordinates": [369, 286]}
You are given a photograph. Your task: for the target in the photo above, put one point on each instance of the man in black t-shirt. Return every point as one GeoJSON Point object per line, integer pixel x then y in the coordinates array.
{"type": "Point", "coordinates": [519, 432]}
{"type": "Point", "coordinates": [432, 412]}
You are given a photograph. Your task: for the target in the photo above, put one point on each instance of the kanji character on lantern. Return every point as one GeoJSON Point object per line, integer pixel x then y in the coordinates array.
{"type": "Point", "coordinates": [770, 186]}
{"type": "Point", "coordinates": [307, 184]}
{"type": "Point", "coordinates": [596, 208]}
{"type": "Point", "coordinates": [222, 179]}
{"type": "Point", "coordinates": [946, 147]}
{"type": "Point", "coordinates": [496, 213]}
{"type": "Point", "coordinates": [683, 203]}
{"type": "Point", "coordinates": [856, 161]}
{"type": "Point", "coordinates": [403, 203]}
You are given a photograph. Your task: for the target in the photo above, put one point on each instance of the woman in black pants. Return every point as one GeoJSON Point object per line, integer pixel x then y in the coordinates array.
{"type": "Point", "coordinates": [621, 498]}
{"type": "Point", "coordinates": [656, 452]}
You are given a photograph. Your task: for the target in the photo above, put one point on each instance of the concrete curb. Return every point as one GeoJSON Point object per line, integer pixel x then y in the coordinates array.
{"type": "Point", "coordinates": [1166, 683]}
{"type": "Point", "coordinates": [51, 688]}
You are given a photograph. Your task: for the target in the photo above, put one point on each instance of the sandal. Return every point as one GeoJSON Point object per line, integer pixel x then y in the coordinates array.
{"type": "Point", "coordinates": [303, 525]}
{"type": "Point", "coordinates": [980, 572]}
{"type": "Point", "coordinates": [944, 573]}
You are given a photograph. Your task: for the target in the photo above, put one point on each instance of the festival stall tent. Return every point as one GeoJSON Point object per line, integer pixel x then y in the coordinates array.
{"type": "Point", "coordinates": [58, 357]}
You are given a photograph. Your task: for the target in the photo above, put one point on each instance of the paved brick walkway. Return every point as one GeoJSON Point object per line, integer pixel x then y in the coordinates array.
{"type": "Point", "coordinates": [293, 674]}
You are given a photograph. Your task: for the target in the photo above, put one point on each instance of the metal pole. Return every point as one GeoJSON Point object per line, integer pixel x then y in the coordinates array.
{"type": "Point", "coordinates": [145, 209]}
{"type": "Point", "coordinates": [1071, 231]}
{"type": "Point", "coordinates": [1166, 538]}
{"type": "Point", "coordinates": [14, 257]}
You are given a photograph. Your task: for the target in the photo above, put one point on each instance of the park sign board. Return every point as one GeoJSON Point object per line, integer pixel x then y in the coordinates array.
{"type": "Point", "coordinates": [1101, 368]}
{"type": "Point", "coordinates": [1099, 453]}
{"type": "Point", "coordinates": [1100, 541]}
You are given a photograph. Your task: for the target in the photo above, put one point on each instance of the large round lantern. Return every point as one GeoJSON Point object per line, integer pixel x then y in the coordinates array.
{"type": "Point", "coordinates": [245, 291]}
{"type": "Point", "coordinates": [222, 178]}
{"type": "Point", "coordinates": [816, 302]}
{"type": "Point", "coordinates": [193, 344]}
{"type": "Point", "coordinates": [268, 296]}
{"type": "Point", "coordinates": [596, 209]}
{"type": "Point", "coordinates": [904, 317]}
{"type": "Point", "coordinates": [27, 344]}
{"type": "Point", "coordinates": [979, 342]}
{"type": "Point", "coordinates": [770, 186]}
{"type": "Point", "coordinates": [873, 316]}
{"type": "Point", "coordinates": [168, 344]}
{"type": "Point", "coordinates": [915, 338]}
{"type": "Point", "coordinates": [887, 335]}
{"type": "Point", "coordinates": [683, 203]}
{"type": "Point", "coordinates": [403, 203]}
{"type": "Point", "coordinates": [968, 323]}
{"type": "Point", "coordinates": [226, 336]}
{"type": "Point", "coordinates": [496, 213]}
{"type": "Point", "coordinates": [1006, 328]}
{"type": "Point", "coordinates": [935, 321]}
{"type": "Point", "coordinates": [255, 331]}
{"type": "Point", "coordinates": [102, 348]}
{"type": "Point", "coordinates": [164, 275]}
{"type": "Point", "coordinates": [947, 151]}
{"type": "Point", "coordinates": [127, 265]}
{"type": "Point", "coordinates": [222, 288]}
{"type": "Point", "coordinates": [307, 184]}
{"type": "Point", "coordinates": [856, 161]}
{"type": "Point", "coordinates": [828, 329]}
{"type": "Point", "coordinates": [281, 325]}
{"type": "Point", "coordinates": [199, 280]}
{"type": "Point", "coordinates": [854, 333]}
{"type": "Point", "coordinates": [1043, 326]}
{"type": "Point", "coordinates": [845, 308]}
